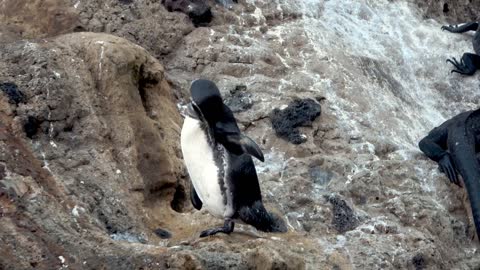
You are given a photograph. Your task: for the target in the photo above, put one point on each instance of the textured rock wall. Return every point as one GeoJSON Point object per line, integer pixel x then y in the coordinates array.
{"type": "Point", "coordinates": [452, 11]}
{"type": "Point", "coordinates": [104, 150]}
{"type": "Point", "coordinates": [101, 168]}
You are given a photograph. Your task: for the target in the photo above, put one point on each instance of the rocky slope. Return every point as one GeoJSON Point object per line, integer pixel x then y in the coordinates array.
{"type": "Point", "coordinates": [90, 163]}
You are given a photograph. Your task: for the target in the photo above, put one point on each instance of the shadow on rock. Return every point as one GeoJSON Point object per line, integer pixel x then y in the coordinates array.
{"type": "Point", "coordinates": [197, 10]}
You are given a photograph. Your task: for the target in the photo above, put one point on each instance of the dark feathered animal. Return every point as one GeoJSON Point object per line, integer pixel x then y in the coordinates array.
{"type": "Point", "coordinates": [455, 146]}
{"type": "Point", "coordinates": [469, 63]}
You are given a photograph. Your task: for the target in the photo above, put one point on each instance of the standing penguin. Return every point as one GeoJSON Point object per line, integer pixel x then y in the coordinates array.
{"type": "Point", "coordinates": [218, 160]}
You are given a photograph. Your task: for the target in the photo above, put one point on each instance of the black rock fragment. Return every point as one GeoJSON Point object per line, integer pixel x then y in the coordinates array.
{"type": "Point", "coordinates": [15, 96]}
{"type": "Point", "coordinates": [164, 234]}
{"type": "Point", "coordinates": [344, 219]}
{"type": "Point", "coordinates": [419, 262]}
{"type": "Point", "coordinates": [198, 11]}
{"type": "Point", "coordinates": [299, 113]}
{"type": "Point", "coordinates": [31, 126]}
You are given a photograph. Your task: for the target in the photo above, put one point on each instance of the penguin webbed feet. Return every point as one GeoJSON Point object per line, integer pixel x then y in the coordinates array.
{"type": "Point", "coordinates": [461, 67]}
{"type": "Point", "coordinates": [461, 28]}
{"type": "Point", "coordinates": [449, 27]}
{"type": "Point", "coordinates": [227, 229]}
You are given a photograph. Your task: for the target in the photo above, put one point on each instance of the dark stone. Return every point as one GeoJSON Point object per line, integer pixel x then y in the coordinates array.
{"type": "Point", "coordinates": [2, 171]}
{"type": "Point", "coordinates": [419, 262]}
{"type": "Point", "coordinates": [164, 234]}
{"type": "Point", "coordinates": [299, 113]}
{"type": "Point", "coordinates": [239, 99]}
{"type": "Point", "coordinates": [445, 8]}
{"type": "Point", "coordinates": [197, 10]}
{"type": "Point", "coordinates": [125, 2]}
{"type": "Point", "coordinates": [31, 126]}
{"type": "Point", "coordinates": [344, 218]}
{"type": "Point", "coordinates": [15, 96]}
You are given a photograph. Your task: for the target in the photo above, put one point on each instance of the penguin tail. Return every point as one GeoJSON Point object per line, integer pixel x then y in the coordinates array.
{"type": "Point", "coordinates": [257, 216]}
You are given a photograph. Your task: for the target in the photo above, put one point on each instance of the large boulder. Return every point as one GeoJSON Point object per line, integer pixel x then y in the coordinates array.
{"type": "Point", "coordinates": [101, 160]}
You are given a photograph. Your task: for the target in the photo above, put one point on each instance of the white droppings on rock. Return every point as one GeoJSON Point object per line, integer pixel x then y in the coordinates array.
{"type": "Point", "coordinates": [76, 210]}
{"type": "Point", "coordinates": [102, 52]}
{"type": "Point", "coordinates": [46, 165]}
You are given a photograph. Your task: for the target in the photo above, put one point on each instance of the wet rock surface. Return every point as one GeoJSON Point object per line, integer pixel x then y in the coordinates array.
{"type": "Point", "coordinates": [90, 165]}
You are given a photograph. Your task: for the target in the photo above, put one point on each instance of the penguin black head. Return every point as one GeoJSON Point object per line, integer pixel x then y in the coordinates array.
{"type": "Point", "coordinates": [207, 101]}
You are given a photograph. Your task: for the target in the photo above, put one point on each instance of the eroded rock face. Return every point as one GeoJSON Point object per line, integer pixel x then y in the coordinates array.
{"type": "Point", "coordinates": [378, 70]}
{"type": "Point", "coordinates": [104, 149]}
{"type": "Point", "coordinates": [90, 170]}
{"type": "Point", "coordinates": [89, 166]}
{"type": "Point", "coordinates": [35, 19]}
{"type": "Point", "coordinates": [454, 12]}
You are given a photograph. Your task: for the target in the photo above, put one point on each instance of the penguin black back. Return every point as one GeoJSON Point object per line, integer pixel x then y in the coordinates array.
{"type": "Point", "coordinates": [243, 177]}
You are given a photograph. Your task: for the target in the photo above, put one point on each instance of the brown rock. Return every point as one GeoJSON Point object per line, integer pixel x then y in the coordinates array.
{"type": "Point", "coordinates": [107, 146]}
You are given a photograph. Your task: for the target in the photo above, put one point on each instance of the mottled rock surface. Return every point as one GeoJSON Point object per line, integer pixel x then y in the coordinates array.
{"type": "Point", "coordinates": [100, 155]}
{"type": "Point", "coordinates": [90, 168]}
{"type": "Point", "coordinates": [453, 11]}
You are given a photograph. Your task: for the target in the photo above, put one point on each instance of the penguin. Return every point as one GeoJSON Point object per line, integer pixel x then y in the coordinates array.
{"type": "Point", "coordinates": [218, 160]}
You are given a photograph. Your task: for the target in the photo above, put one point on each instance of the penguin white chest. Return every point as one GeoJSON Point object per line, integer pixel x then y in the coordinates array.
{"type": "Point", "coordinates": [199, 158]}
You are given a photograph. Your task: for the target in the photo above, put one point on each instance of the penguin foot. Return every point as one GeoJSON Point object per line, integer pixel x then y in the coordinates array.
{"type": "Point", "coordinates": [461, 67]}
{"type": "Point", "coordinates": [227, 228]}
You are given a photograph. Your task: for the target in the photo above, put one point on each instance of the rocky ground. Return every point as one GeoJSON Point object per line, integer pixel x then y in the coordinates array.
{"type": "Point", "coordinates": [90, 165]}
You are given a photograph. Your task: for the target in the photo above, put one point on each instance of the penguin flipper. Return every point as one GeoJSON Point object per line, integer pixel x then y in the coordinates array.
{"type": "Point", "coordinates": [229, 136]}
{"type": "Point", "coordinates": [239, 144]}
{"type": "Point", "coordinates": [250, 147]}
{"type": "Point", "coordinates": [196, 202]}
